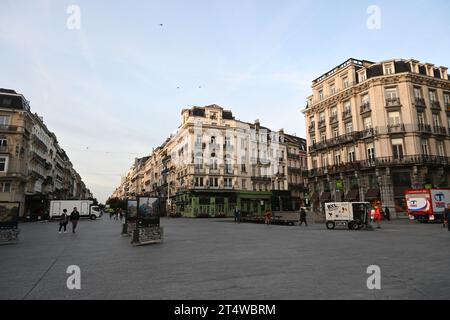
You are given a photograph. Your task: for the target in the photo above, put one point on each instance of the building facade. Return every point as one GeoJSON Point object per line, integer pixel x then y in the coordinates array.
{"type": "Point", "coordinates": [213, 164]}
{"type": "Point", "coordinates": [33, 167]}
{"type": "Point", "coordinates": [377, 129]}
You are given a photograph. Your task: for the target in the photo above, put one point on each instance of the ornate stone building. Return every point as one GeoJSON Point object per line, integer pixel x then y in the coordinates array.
{"type": "Point", "coordinates": [213, 164]}
{"type": "Point", "coordinates": [376, 129]}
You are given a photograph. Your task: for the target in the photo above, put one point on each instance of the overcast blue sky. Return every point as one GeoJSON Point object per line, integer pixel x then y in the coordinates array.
{"type": "Point", "coordinates": [109, 90]}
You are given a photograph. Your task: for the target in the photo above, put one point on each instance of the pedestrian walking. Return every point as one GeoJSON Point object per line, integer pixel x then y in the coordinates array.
{"type": "Point", "coordinates": [63, 220]}
{"type": "Point", "coordinates": [387, 213]}
{"type": "Point", "coordinates": [447, 216]}
{"type": "Point", "coordinates": [237, 215]}
{"type": "Point", "coordinates": [74, 218]}
{"type": "Point", "coordinates": [120, 213]}
{"type": "Point", "coordinates": [267, 216]}
{"type": "Point", "coordinates": [303, 217]}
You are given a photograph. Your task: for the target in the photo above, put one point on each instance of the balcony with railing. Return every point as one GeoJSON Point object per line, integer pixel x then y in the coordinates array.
{"type": "Point", "coordinates": [424, 128]}
{"type": "Point", "coordinates": [312, 127]}
{"type": "Point", "coordinates": [321, 123]}
{"type": "Point", "coordinates": [379, 162]}
{"type": "Point", "coordinates": [420, 102]}
{"type": "Point", "coordinates": [393, 103]}
{"type": "Point", "coordinates": [365, 108]}
{"type": "Point", "coordinates": [447, 106]}
{"type": "Point", "coordinates": [396, 128]}
{"type": "Point", "coordinates": [440, 130]}
{"type": "Point", "coordinates": [346, 114]}
{"type": "Point", "coordinates": [333, 119]}
{"type": "Point", "coordinates": [7, 128]}
{"type": "Point", "coordinates": [435, 105]}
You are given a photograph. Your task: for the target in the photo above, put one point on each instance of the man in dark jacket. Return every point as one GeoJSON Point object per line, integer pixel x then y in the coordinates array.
{"type": "Point", "coordinates": [63, 220]}
{"type": "Point", "coordinates": [447, 216]}
{"type": "Point", "coordinates": [387, 214]}
{"type": "Point", "coordinates": [74, 217]}
{"type": "Point", "coordinates": [302, 217]}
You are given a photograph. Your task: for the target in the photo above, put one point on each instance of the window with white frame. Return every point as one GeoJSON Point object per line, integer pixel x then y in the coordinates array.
{"type": "Point", "coordinates": [397, 148]}
{"type": "Point", "coordinates": [335, 132]}
{"type": "Point", "coordinates": [322, 116]}
{"type": "Point", "coordinates": [388, 68]}
{"type": "Point", "coordinates": [345, 84]}
{"type": "Point", "coordinates": [440, 148]}
{"type": "Point", "coordinates": [5, 187]}
{"type": "Point", "coordinates": [347, 106]}
{"type": "Point", "coordinates": [425, 149]}
{"type": "Point", "coordinates": [3, 142]}
{"type": "Point", "coordinates": [349, 127]}
{"type": "Point", "coordinates": [362, 76]}
{"type": "Point", "coordinates": [351, 154]}
{"type": "Point", "coordinates": [394, 118]}
{"type": "Point", "coordinates": [323, 136]}
{"type": "Point", "coordinates": [334, 112]}
{"type": "Point", "coordinates": [432, 95]}
{"type": "Point", "coordinates": [417, 92]}
{"type": "Point", "coordinates": [436, 120]}
{"type": "Point", "coordinates": [365, 99]}
{"type": "Point", "coordinates": [4, 164]}
{"type": "Point", "coordinates": [370, 148]}
{"type": "Point", "coordinates": [421, 118]}
{"type": "Point", "coordinates": [367, 123]}
{"type": "Point", "coordinates": [321, 96]}
{"type": "Point", "coordinates": [214, 182]}
{"type": "Point", "coordinates": [227, 182]}
{"type": "Point", "coordinates": [391, 93]}
{"type": "Point", "coordinates": [446, 98]}
{"type": "Point", "coordinates": [5, 120]}
{"type": "Point", "coordinates": [324, 160]}
{"type": "Point", "coordinates": [337, 158]}
{"type": "Point", "coordinates": [332, 88]}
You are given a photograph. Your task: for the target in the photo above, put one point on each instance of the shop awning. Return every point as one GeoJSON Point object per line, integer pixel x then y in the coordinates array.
{"type": "Point", "coordinates": [373, 194]}
{"type": "Point", "coordinates": [352, 195]}
{"type": "Point", "coordinates": [325, 196]}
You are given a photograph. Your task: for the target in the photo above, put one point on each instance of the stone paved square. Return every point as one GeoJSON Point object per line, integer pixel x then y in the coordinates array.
{"type": "Point", "coordinates": [216, 259]}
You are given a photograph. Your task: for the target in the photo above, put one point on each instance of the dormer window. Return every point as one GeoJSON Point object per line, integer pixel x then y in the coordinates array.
{"type": "Point", "coordinates": [388, 69]}
{"type": "Point", "coordinates": [362, 76]}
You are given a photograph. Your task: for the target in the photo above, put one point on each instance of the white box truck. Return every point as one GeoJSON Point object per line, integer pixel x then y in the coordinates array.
{"type": "Point", "coordinates": [84, 207]}
{"type": "Point", "coordinates": [352, 215]}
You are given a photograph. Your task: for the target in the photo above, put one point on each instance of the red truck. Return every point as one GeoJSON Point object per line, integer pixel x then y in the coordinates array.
{"type": "Point", "coordinates": [427, 205]}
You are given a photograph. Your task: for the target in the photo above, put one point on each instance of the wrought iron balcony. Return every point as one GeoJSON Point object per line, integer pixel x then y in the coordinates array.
{"type": "Point", "coordinates": [346, 114]}
{"type": "Point", "coordinates": [396, 128]}
{"type": "Point", "coordinates": [322, 123]}
{"type": "Point", "coordinates": [365, 108]}
{"type": "Point", "coordinates": [435, 105]}
{"type": "Point", "coordinates": [440, 130]}
{"type": "Point", "coordinates": [393, 102]}
{"type": "Point", "coordinates": [334, 119]}
{"type": "Point", "coordinates": [420, 102]}
{"type": "Point", "coordinates": [312, 127]}
{"type": "Point", "coordinates": [422, 127]}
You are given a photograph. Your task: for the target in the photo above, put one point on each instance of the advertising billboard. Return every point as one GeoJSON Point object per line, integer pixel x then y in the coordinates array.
{"type": "Point", "coordinates": [148, 211]}
{"type": "Point", "coordinates": [131, 210]}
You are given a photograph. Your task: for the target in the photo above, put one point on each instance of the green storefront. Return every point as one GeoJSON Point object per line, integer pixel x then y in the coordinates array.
{"type": "Point", "coordinates": [221, 203]}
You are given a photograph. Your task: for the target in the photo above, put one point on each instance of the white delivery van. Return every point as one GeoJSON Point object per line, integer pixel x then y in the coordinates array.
{"type": "Point", "coordinates": [84, 207]}
{"type": "Point", "coordinates": [352, 215]}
